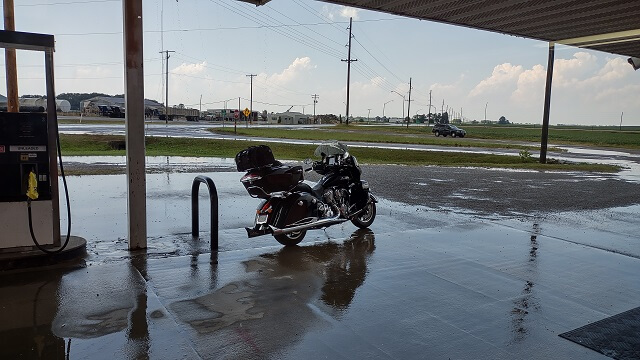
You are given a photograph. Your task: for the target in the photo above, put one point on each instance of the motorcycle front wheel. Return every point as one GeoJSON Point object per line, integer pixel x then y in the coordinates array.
{"type": "Point", "coordinates": [366, 217]}
{"type": "Point", "coordinates": [291, 239]}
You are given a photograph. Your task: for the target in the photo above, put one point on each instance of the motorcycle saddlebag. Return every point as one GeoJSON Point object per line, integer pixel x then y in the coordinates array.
{"type": "Point", "coordinates": [254, 157]}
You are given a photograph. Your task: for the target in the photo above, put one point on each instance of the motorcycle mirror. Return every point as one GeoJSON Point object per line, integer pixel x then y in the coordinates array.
{"type": "Point", "coordinates": [307, 161]}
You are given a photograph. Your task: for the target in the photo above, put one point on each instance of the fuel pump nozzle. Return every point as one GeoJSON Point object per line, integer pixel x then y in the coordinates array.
{"type": "Point", "coordinates": [32, 187]}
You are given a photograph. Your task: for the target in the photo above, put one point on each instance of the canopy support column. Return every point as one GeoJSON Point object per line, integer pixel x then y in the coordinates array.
{"type": "Point", "coordinates": [547, 105]}
{"type": "Point", "coordinates": [134, 110]}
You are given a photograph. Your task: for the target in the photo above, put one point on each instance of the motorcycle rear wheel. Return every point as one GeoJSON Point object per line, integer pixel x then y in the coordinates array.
{"type": "Point", "coordinates": [365, 219]}
{"type": "Point", "coordinates": [291, 239]}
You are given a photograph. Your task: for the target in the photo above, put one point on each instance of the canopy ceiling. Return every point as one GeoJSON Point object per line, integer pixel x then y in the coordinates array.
{"type": "Point", "coordinates": [607, 25]}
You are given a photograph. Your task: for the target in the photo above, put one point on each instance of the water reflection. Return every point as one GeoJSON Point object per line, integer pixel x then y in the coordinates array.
{"type": "Point", "coordinates": [27, 312]}
{"type": "Point", "coordinates": [344, 265]}
{"type": "Point", "coordinates": [244, 318]}
{"type": "Point", "coordinates": [527, 300]}
{"type": "Point", "coordinates": [138, 330]}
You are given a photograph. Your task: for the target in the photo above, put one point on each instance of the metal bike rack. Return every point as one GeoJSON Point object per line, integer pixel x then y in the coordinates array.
{"type": "Point", "coordinates": [213, 198]}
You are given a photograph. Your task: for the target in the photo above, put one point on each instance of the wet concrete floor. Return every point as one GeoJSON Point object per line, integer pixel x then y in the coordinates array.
{"type": "Point", "coordinates": [420, 284]}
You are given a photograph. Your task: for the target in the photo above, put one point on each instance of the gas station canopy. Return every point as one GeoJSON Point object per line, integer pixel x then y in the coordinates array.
{"type": "Point", "coordinates": [611, 26]}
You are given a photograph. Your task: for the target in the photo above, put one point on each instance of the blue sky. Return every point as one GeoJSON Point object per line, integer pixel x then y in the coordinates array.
{"type": "Point", "coordinates": [295, 48]}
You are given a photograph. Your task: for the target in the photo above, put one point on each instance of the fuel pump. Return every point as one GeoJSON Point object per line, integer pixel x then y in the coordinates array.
{"type": "Point", "coordinates": [29, 205]}
{"type": "Point", "coordinates": [24, 156]}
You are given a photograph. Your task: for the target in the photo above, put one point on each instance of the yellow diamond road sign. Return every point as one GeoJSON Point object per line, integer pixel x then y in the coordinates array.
{"type": "Point", "coordinates": [246, 112]}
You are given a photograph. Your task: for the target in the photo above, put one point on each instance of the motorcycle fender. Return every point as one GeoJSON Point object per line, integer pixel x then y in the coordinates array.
{"type": "Point", "coordinates": [296, 207]}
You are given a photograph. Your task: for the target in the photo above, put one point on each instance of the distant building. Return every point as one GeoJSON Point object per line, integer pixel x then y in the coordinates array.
{"type": "Point", "coordinates": [38, 102]}
{"type": "Point", "coordinates": [288, 118]}
{"type": "Point", "coordinates": [101, 104]}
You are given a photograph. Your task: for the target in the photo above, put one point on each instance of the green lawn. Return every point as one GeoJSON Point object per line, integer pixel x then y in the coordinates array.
{"type": "Point", "coordinates": [156, 146]}
{"type": "Point", "coordinates": [388, 135]}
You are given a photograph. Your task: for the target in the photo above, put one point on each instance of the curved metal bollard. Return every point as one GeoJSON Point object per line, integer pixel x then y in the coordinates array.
{"type": "Point", "coordinates": [213, 197]}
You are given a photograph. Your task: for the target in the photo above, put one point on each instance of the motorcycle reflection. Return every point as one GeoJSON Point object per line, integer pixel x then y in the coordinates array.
{"type": "Point", "coordinates": [244, 318]}
{"type": "Point", "coordinates": [344, 265]}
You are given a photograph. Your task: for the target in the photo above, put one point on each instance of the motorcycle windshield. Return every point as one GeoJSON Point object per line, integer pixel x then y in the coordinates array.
{"type": "Point", "coordinates": [331, 149]}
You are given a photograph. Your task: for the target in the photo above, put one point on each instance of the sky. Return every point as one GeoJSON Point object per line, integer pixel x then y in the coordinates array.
{"type": "Point", "coordinates": [295, 48]}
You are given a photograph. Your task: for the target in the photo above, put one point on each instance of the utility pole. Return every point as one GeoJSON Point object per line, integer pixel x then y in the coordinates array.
{"type": "Point", "coordinates": [315, 101]}
{"type": "Point", "coordinates": [409, 106]}
{"type": "Point", "coordinates": [251, 99]}
{"type": "Point", "coordinates": [200, 111]}
{"type": "Point", "coordinates": [11, 68]}
{"type": "Point", "coordinates": [383, 106]}
{"type": "Point", "coordinates": [368, 116]}
{"type": "Point", "coordinates": [349, 61]}
{"type": "Point", "coordinates": [429, 119]}
{"type": "Point", "coordinates": [166, 96]}
{"type": "Point", "coordinates": [485, 111]}
{"type": "Point", "coordinates": [621, 120]}
{"type": "Point", "coordinates": [403, 101]}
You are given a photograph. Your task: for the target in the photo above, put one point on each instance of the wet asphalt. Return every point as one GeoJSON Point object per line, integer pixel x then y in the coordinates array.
{"type": "Point", "coordinates": [459, 264]}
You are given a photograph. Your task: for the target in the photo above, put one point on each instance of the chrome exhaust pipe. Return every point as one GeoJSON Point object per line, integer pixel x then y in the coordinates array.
{"type": "Point", "coordinates": [316, 224]}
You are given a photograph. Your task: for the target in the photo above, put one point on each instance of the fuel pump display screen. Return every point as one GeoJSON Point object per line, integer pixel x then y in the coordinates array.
{"type": "Point", "coordinates": [24, 149]}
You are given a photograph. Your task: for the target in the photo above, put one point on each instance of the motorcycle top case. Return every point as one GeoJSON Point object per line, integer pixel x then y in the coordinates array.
{"type": "Point", "coordinates": [254, 157]}
{"type": "Point", "coordinates": [273, 178]}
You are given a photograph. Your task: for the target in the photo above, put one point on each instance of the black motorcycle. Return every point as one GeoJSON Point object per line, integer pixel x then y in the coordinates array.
{"type": "Point", "coordinates": [290, 206]}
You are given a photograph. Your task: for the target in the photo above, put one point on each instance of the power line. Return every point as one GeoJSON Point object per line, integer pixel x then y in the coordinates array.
{"type": "Point", "coordinates": [258, 18]}
{"type": "Point", "coordinates": [378, 61]}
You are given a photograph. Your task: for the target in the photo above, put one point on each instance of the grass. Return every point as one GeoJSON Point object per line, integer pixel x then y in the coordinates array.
{"type": "Point", "coordinates": [160, 146]}
{"type": "Point", "coordinates": [584, 136]}
{"type": "Point", "coordinates": [628, 137]}
{"type": "Point", "coordinates": [394, 135]}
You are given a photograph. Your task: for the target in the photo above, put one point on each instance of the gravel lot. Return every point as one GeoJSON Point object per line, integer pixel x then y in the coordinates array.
{"type": "Point", "coordinates": [502, 192]}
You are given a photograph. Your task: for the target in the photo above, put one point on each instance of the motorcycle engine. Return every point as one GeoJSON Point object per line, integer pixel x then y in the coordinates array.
{"type": "Point", "coordinates": [337, 199]}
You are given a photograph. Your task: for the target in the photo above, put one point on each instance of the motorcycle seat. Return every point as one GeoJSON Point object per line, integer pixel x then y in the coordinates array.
{"type": "Point", "coordinates": [316, 190]}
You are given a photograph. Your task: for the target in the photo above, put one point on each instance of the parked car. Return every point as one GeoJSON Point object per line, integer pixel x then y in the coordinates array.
{"type": "Point", "coordinates": [448, 129]}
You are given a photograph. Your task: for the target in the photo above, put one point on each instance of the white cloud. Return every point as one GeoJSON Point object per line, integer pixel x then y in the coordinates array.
{"type": "Point", "coordinates": [291, 73]}
{"type": "Point", "coordinates": [502, 75]}
{"type": "Point", "coordinates": [333, 11]}
{"type": "Point", "coordinates": [190, 69]}
{"type": "Point", "coordinates": [349, 12]}
{"type": "Point", "coordinates": [569, 72]}
{"type": "Point", "coordinates": [448, 89]}
{"type": "Point", "coordinates": [530, 85]}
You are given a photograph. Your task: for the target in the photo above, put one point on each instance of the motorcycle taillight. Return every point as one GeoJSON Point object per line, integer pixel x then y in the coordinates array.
{"type": "Point", "coordinates": [266, 208]}
{"type": "Point", "coordinates": [250, 178]}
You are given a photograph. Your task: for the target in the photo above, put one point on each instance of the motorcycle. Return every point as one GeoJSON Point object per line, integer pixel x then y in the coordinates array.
{"type": "Point", "coordinates": [290, 206]}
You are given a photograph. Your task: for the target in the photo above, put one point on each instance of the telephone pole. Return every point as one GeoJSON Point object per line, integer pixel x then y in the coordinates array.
{"type": "Point", "coordinates": [251, 99]}
{"type": "Point", "coordinates": [315, 101]}
{"type": "Point", "coordinates": [166, 96]}
{"type": "Point", "coordinates": [349, 61]}
{"type": "Point", "coordinates": [409, 106]}
{"type": "Point", "coordinates": [11, 68]}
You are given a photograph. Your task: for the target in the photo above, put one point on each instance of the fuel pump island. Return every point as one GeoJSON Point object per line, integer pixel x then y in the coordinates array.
{"type": "Point", "coordinates": [29, 153]}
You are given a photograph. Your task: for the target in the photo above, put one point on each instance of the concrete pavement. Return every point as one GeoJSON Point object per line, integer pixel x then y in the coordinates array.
{"type": "Point", "coordinates": [420, 284]}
